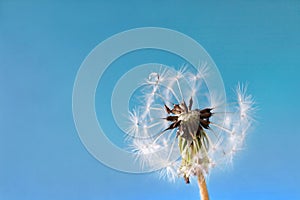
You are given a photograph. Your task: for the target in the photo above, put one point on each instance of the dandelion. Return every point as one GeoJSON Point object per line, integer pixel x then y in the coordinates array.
{"type": "Point", "coordinates": [185, 129]}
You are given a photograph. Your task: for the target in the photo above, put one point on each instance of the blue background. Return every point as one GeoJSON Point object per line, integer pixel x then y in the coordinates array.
{"type": "Point", "coordinates": [42, 44]}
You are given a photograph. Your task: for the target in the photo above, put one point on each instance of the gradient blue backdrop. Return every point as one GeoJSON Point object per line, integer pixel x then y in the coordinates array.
{"type": "Point", "coordinates": [42, 44]}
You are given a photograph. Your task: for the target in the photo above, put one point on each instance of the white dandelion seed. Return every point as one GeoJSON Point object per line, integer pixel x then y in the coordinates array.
{"type": "Point", "coordinates": [133, 123]}
{"type": "Point", "coordinates": [245, 103]}
{"type": "Point", "coordinates": [170, 172]}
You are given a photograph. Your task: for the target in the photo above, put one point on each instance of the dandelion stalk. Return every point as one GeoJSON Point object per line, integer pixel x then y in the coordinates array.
{"type": "Point", "coordinates": [202, 187]}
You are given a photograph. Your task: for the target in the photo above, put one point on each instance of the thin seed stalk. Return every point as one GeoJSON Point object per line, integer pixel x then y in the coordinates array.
{"type": "Point", "coordinates": [202, 187]}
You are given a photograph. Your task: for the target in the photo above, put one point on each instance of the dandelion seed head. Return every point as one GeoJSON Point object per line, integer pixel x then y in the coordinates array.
{"type": "Point", "coordinates": [169, 123]}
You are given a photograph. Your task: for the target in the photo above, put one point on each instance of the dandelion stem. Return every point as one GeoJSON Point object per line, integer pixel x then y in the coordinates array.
{"type": "Point", "coordinates": [202, 187]}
